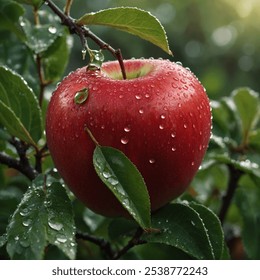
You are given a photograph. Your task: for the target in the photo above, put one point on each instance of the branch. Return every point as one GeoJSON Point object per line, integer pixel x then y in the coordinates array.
{"type": "Point", "coordinates": [102, 243]}
{"type": "Point", "coordinates": [19, 165]}
{"type": "Point", "coordinates": [235, 175]}
{"type": "Point", "coordinates": [84, 32]}
{"type": "Point", "coordinates": [132, 243]}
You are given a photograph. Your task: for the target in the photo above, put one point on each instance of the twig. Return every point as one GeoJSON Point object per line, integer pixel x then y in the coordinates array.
{"type": "Point", "coordinates": [102, 243]}
{"type": "Point", "coordinates": [132, 243]}
{"type": "Point", "coordinates": [68, 7]}
{"type": "Point", "coordinates": [235, 175]}
{"type": "Point", "coordinates": [84, 32]}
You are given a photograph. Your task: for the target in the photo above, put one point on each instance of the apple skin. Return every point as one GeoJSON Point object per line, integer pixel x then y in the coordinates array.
{"type": "Point", "coordinates": [159, 117]}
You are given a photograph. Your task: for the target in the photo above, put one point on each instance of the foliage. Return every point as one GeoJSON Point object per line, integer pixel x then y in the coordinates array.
{"type": "Point", "coordinates": [41, 219]}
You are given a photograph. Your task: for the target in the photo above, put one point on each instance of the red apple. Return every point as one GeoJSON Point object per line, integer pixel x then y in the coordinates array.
{"type": "Point", "coordinates": [159, 117]}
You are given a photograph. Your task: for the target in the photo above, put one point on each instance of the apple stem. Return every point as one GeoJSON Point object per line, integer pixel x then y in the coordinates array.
{"type": "Point", "coordinates": [84, 32]}
{"type": "Point", "coordinates": [92, 136]}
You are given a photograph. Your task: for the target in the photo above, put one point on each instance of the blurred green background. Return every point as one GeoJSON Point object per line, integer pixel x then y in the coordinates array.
{"type": "Point", "coordinates": [218, 40]}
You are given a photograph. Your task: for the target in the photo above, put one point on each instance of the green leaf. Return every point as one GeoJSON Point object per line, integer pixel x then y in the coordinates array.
{"type": "Point", "coordinates": [55, 59]}
{"type": "Point", "coordinates": [19, 109]}
{"type": "Point", "coordinates": [254, 139]}
{"type": "Point", "coordinates": [184, 227]}
{"type": "Point", "coordinates": [35, 3]}
{"type": "Point", "coordinates": [40, 37]}
{"type": "Point", "coordinates": [124, 180]}
{"type": "Point", "coordinates": [10, 12]}
{"type": "Point", "coordinates": [247, 106]}
{"type": "Point", "coordinates": [247, 199]}
{"type": "Point", "coordinates": [213, 227]}
{"type": "Point", "coordinates": [44, 215]}
{"type": "Point", "coordinates": [131, 20]}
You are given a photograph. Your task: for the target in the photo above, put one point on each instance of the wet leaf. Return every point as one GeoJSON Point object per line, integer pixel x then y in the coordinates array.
{"type": "Point", "coordinates": [247, 109]}
{"type": "Point", "coordinates": [131, 20]}
{"type": "Point", "coordinates": [43, 216]}
{"type": "Point", "coordinates": [124, 180]}
{"type": "Point", "coordinates": [187, 227]}
{"type": "Point", "coordinates": [19, 109]}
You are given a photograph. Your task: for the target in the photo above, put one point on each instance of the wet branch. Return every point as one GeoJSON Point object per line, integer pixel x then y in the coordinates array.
{"type": "Point", "coordinates": [106, 246]}
{"type": "Point", "coordinates": [235, 175]}
{"type": "Point", "coordinates": [22, 164]}
{"type": "Point", "coordinates": [84, 33]}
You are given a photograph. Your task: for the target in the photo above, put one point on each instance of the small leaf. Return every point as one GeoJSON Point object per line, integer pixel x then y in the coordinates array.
{"type": "Point", "coordinates": [213, 227]}
{"type": "Point", "coordinates": [131, 20]}
{"type": "Point", "coordinates": [44, 215]}
{"type": "Point", "coordinates": [124, 180]}
{"type": "Point", "coordinates": [19, 109]}
{"type": "Point", "coordinates": [55, 59]}
{"type": "Point", "coordinates": [40, 37]}
{"type": "Point", "coordinates": [182, 227]}
{"type": "Point", "coordinates": [247, 106]}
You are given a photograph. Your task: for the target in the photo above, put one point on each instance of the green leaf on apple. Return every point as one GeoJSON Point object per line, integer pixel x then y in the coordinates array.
{"type": "Point", "coordinates": [43, 216]}
{"type": "Point", "coordinates": [121, 176]}
{"type": "Point", "coordinates": [187, 228]}
{"type": "Point", "coordinates": [20, 113]}
{"type": "Point", "coordinates": [132, 20]}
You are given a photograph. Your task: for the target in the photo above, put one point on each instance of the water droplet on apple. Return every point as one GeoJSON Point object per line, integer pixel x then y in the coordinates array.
{"type": "Point", "coordinates": [147, 95]}
{"type": "Point", "coordinates": [161, 126]}
{"type": "Point", "coordinates": [138, 97]}
{"type": "Point", "coordinates": [81, 96]}
{"type": "Point", "coordinates": [174, 85]}
{"type": "Point", "coordinates": [173, 149]}
{"type": "Point", "coordinates": [200, 147]}
{"type": "Point", "coordinates": [141, 111]}
{"type": "Point", "coordinates": [163, 116]}
{"type": "Point", "coordinates": [179, 63]}
{"type": "Point", "coordinates": [192, 163]}
{"type": "Point", "coordinates": [152, 160]}
{"type": "Point", "coordinates": [124, 140]}
{"type": "Point", "coordinates": [185, 125]}
{"type": "Point", "coordinates": [127, 129]}
{"type": "Point", "coordinates": [173, 134]}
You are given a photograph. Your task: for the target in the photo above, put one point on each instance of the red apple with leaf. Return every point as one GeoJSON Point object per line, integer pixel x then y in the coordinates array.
{"type": "Point", "coordinates": [159, 117]}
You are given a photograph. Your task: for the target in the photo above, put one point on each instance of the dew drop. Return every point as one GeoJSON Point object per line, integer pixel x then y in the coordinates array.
{"type": "Point", "coordinates": [173, 134]}
{"type": "Point", "coordinates": [124, 140]}
{"type": "Point", "coordinates": [185, 125]}
{"type": "Point", "coordinates": [81, 96]}
{"type": "Point", "coordinates": [141, 111]}
{"type": "Point", "coordinates": [106, 174]}
{"type": "Point", "coordinates": [161, 126]}
{"type": "Point", "coordinates": [127, 129]}
{"type": "Point", "coordinates": [26, 223]}
{"type": "Point", "coordinates": [52, 29]}
{"type": "Point", "coordinates": [55, 225]}
{"type": "Point", "coordinates": [200, 147]}
{"type": "Point", "coordinates": [62, 239]}
{"type": "Point", "coordinates": [16, 238]}
{"type": "Point", "coordinates": [173, 149]}
{"type": "Point", "coordinates": [192, 223]}
{"type": "Point", "coordinates": [138, 97]}
{"type": "Point", "coordinates": [147, 95]}
{"type": "Point", "coordinates": [112, 181]}
{"type": "Point", "coordinates": [151, 160]}
{"type": "Point", "coordinates": [163, 116]}
{"type": "Point", "coordinates": [192, 163]}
